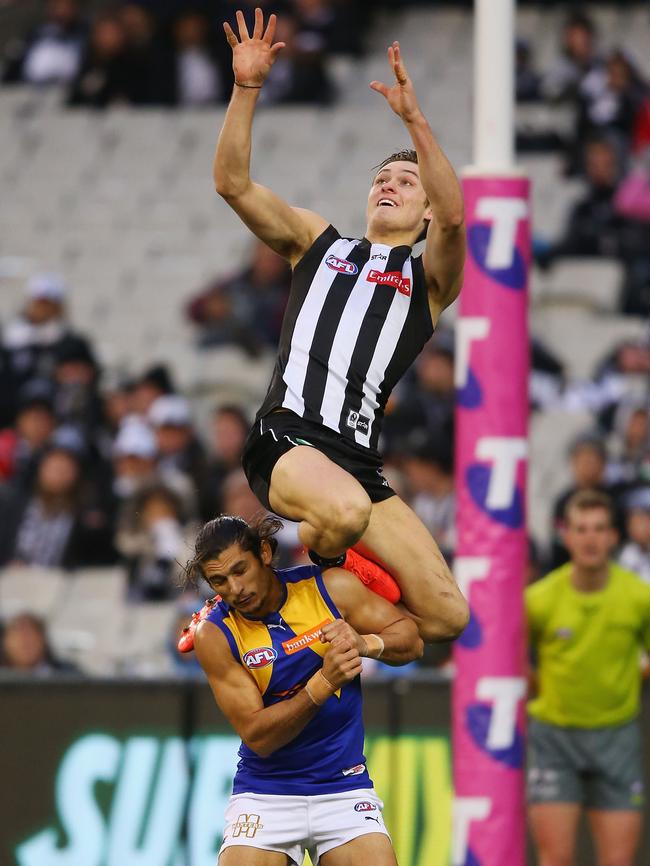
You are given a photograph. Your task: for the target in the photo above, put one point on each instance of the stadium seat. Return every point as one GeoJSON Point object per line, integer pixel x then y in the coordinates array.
{"type": "Point", "coordinates": [34, 590]}
{"type": "Point", "coordinates": [590, 282]}
{"type": "Point", "coordinates": [580, 338]}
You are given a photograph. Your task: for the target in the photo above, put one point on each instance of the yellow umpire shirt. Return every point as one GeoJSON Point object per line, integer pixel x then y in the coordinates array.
{"type": "Point", "coordinates": [587, 647]}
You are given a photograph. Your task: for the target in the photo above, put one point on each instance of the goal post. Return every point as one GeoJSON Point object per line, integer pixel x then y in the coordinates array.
{"type": "Point", "coordinates": [492, 370]}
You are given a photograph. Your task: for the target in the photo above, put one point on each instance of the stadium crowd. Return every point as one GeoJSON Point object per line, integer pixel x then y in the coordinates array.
{"type": "Point", "coordinates": [96, 470]}
{"type": "Point", "coordinates": [609, 148]}
{"type": "Point", "coordinates": [174, 53]}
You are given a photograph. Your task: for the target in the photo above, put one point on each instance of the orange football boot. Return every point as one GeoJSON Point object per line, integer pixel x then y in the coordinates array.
{"type": "Point", "coordinates": [373, 576]}
{"type": "Point", "coordinates": [186, 640]}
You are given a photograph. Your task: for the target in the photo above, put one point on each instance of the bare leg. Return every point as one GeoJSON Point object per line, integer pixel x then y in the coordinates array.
{"type": "Point", "coordinates": [372, 848]}
{"type": "Point", "coordinates": [616, 835]}
{"type": "Point", "coordinates": [244, 855]}
{"type": "Point", "coordinates": [398, 539]}
{"type": "Point", "coordinates": [554, 827]}
{"type": "Point", "coordinates": [332, 507]}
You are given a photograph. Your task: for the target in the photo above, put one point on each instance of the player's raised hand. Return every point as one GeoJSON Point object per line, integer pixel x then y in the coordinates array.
{"type": "Point", "coordinates": [253, 56]}
{"type": "Point", "coordinates": [401, 96]}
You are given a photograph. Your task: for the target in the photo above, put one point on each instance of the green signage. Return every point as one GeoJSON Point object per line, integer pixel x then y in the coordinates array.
{"type": "Point", "coordinates": [133, 800]}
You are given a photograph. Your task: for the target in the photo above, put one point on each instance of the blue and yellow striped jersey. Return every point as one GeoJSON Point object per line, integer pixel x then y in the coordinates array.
{"type": "Point", "coordinates": [281, 652]}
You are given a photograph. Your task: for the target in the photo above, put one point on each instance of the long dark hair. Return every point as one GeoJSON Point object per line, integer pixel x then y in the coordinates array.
{"type": "Point", "coordinates": [228, 529]}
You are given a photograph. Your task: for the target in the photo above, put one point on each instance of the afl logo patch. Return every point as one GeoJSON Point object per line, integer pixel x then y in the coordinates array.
{"type": "Point", "coordinates": [341, 265]}
{"type": "Point", "coordinates": [364, 806]}
{"type": "Point", "coordinates": [260, 657]}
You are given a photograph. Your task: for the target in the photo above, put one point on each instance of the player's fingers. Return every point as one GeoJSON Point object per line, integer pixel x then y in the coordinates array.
{"type": "Point", "coordinates": [243, 29]}
{"type": "Point", "coordinates": [378, 87]}
{"type": "Point", "coordinates": [398, 64]}
{"type": "Point", "coordinates": [259, 24]}
{"type": "Point", "coordinates": [350, 655]}
{"type": "Point", "coordinates": [230, 36]}
{"type": "Point", "coordinates": [277, 48]}
{"type": "Point", "coordinates": [270, 29]}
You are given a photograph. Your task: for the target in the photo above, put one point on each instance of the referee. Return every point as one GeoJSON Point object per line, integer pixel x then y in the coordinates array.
{"type": "Point", "coordinates": [588, 620]}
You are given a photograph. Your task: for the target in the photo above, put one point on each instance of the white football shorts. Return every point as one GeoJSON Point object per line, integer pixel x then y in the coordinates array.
{"type": "Point", "coordinates": [291, 824]}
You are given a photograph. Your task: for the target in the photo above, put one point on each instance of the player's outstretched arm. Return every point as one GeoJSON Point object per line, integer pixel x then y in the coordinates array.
{"type": "Point", "coordinates": [368, 616]}
{"type": "Point", "coordinates": [289, 231]}
{"type": "Point", "coordinates": [266, 729]}
{"type": "Point", "coordinates": [444, 253]}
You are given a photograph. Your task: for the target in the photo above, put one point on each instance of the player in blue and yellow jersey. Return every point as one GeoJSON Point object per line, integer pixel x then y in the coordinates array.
{"type": "Point", "coordinates": [282, 651]}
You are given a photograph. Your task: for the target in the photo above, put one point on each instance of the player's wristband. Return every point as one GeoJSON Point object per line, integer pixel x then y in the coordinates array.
{"type": "Point", "coordinates": [375, 645]}
{"type": "Point", "coordinates": [249, 86]}
{"type": "Point", "coordinates": [319, 688]}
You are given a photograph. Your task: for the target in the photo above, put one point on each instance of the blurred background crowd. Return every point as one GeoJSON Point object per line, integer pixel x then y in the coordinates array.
{"type": "Point", "coordinates": [172, 53]}
{"type": "Point", "coordinates": [107, 468]}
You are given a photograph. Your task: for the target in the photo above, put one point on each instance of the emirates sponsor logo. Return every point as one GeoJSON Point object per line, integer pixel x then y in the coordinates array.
{"type": "Point", "coordinates": [391, 278]}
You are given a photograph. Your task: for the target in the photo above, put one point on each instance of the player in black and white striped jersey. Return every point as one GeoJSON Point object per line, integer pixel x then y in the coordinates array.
{"type": "Point", "coordinates": [359, 313]}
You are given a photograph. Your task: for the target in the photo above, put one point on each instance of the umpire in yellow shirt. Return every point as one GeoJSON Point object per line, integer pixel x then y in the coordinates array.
{"type": "Point", "coordinates": [588, 622]}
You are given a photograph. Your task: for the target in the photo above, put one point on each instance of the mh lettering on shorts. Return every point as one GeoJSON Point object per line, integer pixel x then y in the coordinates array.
{"type": "Point", "coordinates": [305, 639]}
{"type": "Point", "coordinates": [246, 825]}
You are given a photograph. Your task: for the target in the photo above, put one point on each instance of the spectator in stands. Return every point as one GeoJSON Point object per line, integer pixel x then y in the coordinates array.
{"type": "Point", "coordinates": [527, 79]}
{"type": "Point", "coordinates": [588, 622]}
{"type": "Point", "coordinates": [547, 376]}
{"type": "Point", "coordinates": [429, 472]}
{"type": "Point", "coordinates": [630, 446]}
{"type": "Point", "coordinates": [154, 382]}
{"type": "Point", "coordinates": [228, 431]}
{"type": "Point", "coordinates": [424, 404]}
{"type": "Point", "coordinates": [641, 133]}
{"type": "Point", "coordinates": [245, 309]}
{"type": "Point", "coordinates": [179, 450]}
{"type": "Point", "coordinates": [635, 554]}
{"type": "Point", "coordinates": [610, 99]}
{"type": "Point", "coordinates": [106, 76]}
{"type": "Point", "coordinates": [76, 373]}
{"type": "Point", "coordinates": [134, 468]}
{"type": "Point", "coordinates": [579, 56]}
{"type": "Point", "coordinates": [632, 202]}
{"type": "Point", "coordinates": [332, 27]}
{"type": "Point", "coordinates": [21, 446]}
{"type": "Point", "coordinates": [594, 228]}
{"type": "Point", "coordinates": [154, 537]}
{"type": "Point", "coordinates": [143, 58]}
{"type": "Point", "coordinates": [588, 459]}
{"type": "Point", "coordinates": [59, 524]}
{"type": "Point", "coordinates": [299, 74]}
{"type": "Point", "coordinates": [629, 361]}
{"type": "Point", "coordinates": [7, 387]}
{"type": "Point", "coordinates": [134, 458]}
{"type": "Point", "coordinates": [238, 498]}
{"type": "Point", "coordinates": [32, 338]}
{"type": "Point", "coordinates": [26, 649]}
{"type": "Point", "coordinates": [51, 54]}
{"type": "Point", "coordinates": [116, 402]}
{"type": "Point", "coordinates": [196, 79]}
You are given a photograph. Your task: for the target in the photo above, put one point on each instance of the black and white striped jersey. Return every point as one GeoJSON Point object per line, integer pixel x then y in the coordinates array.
{"type": "Point", "coordinates": [357, 317]}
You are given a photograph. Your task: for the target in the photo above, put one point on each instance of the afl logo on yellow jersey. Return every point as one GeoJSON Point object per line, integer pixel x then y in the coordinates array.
{"type": "Point", "coordinates": [260, 657]}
